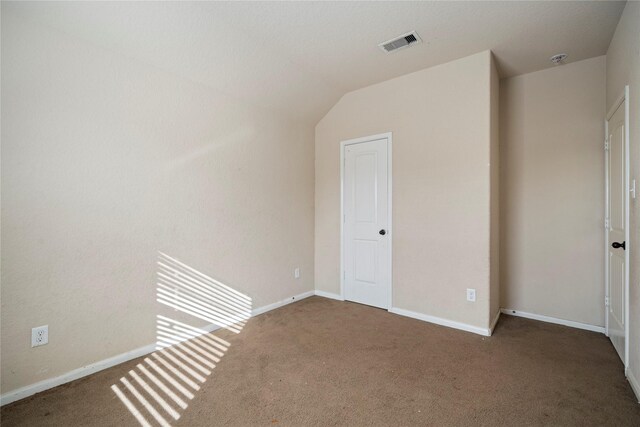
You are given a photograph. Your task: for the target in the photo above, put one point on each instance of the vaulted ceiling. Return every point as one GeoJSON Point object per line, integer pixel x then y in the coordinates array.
{"type": "Point", "coordinates": [301, 57]}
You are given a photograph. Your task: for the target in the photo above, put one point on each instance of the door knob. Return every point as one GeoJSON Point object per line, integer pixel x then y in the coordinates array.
{"type": "Point", "coordinates": [382, 232]}
{"type": "Point", "coordinates": [617, 245]}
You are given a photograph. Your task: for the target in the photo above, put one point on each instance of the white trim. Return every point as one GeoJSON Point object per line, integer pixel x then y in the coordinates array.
{"type": "Point", "coordinates": [627, 226]}
{"type": "Point", "coordinates": [606, 229]}
{"type": "Point", "coordinates": [92, 368]}
{"type": "Point", "coordinates": [635, 386]}
{"type": "Point", "coordinates": [390, 212]}
{"type": "Point", "coordinates": [494, 322]}
{"type": "Point", "coordinates": [389, 137]}
{"type": "Point", "coordinates": [98, 366]}
{"type": "Point", "coordinates": [440, 321]}
{"type": "Point", "coordinates": [329, 295]}
{"type": "Point", "coordinates": [555, 320]}
{"type": "Point", "coordinates": [281, 303]}
{"type": "Point", "coordinates": [342, 144]}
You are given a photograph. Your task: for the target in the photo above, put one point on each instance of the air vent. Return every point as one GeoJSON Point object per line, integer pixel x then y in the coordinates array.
{"type": "Point", "coordinates": [401, 42]}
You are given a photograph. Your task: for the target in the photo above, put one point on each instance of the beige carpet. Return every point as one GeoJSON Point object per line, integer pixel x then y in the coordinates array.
{"type": "Point", "coordinates": [321, 362]}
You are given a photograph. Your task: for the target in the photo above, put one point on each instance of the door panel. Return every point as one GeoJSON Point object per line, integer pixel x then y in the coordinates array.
{"type": "Point", "coordinates": [366, 259]}
{"type": "Point", "coordinates": [367, 253]}
{"type": "Point", "coordinates": [616, 232]}
{"type": "Point", "coordinates": [616, 296]}
{"type": "Point", "coordinates": [365, 191]}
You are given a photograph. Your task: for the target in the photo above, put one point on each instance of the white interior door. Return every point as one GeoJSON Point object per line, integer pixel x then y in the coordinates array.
{"type": "Point", "coordinates": [366, 230]}
{"type": "Point", "coordinates": [617, 237]}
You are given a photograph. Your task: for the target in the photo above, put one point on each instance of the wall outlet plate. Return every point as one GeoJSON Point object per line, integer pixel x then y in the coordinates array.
{"type": "Point", "coordinates": [471, 295]}
{"type": "Point", "coordinates": [296, 273]}
{"type": "Point", "coordinates": [40, 336]}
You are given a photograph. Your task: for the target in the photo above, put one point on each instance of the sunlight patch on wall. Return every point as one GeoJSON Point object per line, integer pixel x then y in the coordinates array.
{"type": "Point", "coordinates": [158, 390]}
{"type": "Point", "coordinates": [186, 289]}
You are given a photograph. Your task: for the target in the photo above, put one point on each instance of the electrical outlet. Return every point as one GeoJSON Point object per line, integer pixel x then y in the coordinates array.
{"type": "Point", "coordinates": [39, 336]}
{"type": "Point", "coordinates": [471, 295]}
{"type": "Point", "coordinates": [296, 273]}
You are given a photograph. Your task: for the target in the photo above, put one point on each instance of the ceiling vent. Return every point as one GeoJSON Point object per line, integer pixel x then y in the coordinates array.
{"type": "Point", "coordinates": [401, 42]}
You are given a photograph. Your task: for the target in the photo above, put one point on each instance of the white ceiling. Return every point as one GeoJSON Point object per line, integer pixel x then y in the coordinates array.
{"type": "Point", "coordinates": [301, 57]}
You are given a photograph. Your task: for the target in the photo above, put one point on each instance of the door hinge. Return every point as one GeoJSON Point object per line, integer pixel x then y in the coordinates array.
{"type": "Point", "coordinates": [606, 223]}
{"type": "Point", "coordinates": [606, 144]}
{"type": "Point", "coordinates": [606, 301]}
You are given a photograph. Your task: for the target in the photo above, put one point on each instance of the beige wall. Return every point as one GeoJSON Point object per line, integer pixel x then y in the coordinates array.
{"type": "Point", "coordinates": [440, 119]}
{"type": "Point", "coordinates": [623, 68]}
{"type": "Point", "coordinates": [494, 306]}
{"type": "Point", "coordinates": [105, 162]}
{"type": "Point", "coordinates": [553, 192]}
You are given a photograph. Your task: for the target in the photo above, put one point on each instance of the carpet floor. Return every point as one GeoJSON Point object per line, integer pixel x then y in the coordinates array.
{"type": "Point", "coordinates": [320, 362]}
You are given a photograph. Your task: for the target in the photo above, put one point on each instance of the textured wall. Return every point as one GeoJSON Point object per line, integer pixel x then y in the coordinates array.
{"type": "Point", "coordinates": [552, 127]}
{"type": "Point", "coordinates": [440, 119]}
{"type": "Point", "coordinates": [106, 162]}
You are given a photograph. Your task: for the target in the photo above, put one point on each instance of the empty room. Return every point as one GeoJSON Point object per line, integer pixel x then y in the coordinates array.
{"type": "Point", "coordinates": [316, 213]}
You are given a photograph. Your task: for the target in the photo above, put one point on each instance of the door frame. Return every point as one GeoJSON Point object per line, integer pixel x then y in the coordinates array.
{"type": "Point", "coordinates": [623, 98]}
{"type": "Point", "coordinates": [343, 144]}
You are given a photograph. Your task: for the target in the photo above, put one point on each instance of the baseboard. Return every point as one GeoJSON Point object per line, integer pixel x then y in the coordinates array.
{"type": "Point", "coordinates": [329, 295]}
{"type": "Point", "coordinates": [440, 321]}
{"type": "Point", "coordinates": [92, 368]}
{"type": "Point", "coordinates": [43, 385]}
{"type": "Point", "coordinates": [494, 322]}
{"type": "Point", "coordinates": [281, 303]}
{"type": "Point", "coordinates": [635, 386]}
{"type": "Point", "coordinates": [557, 321]}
